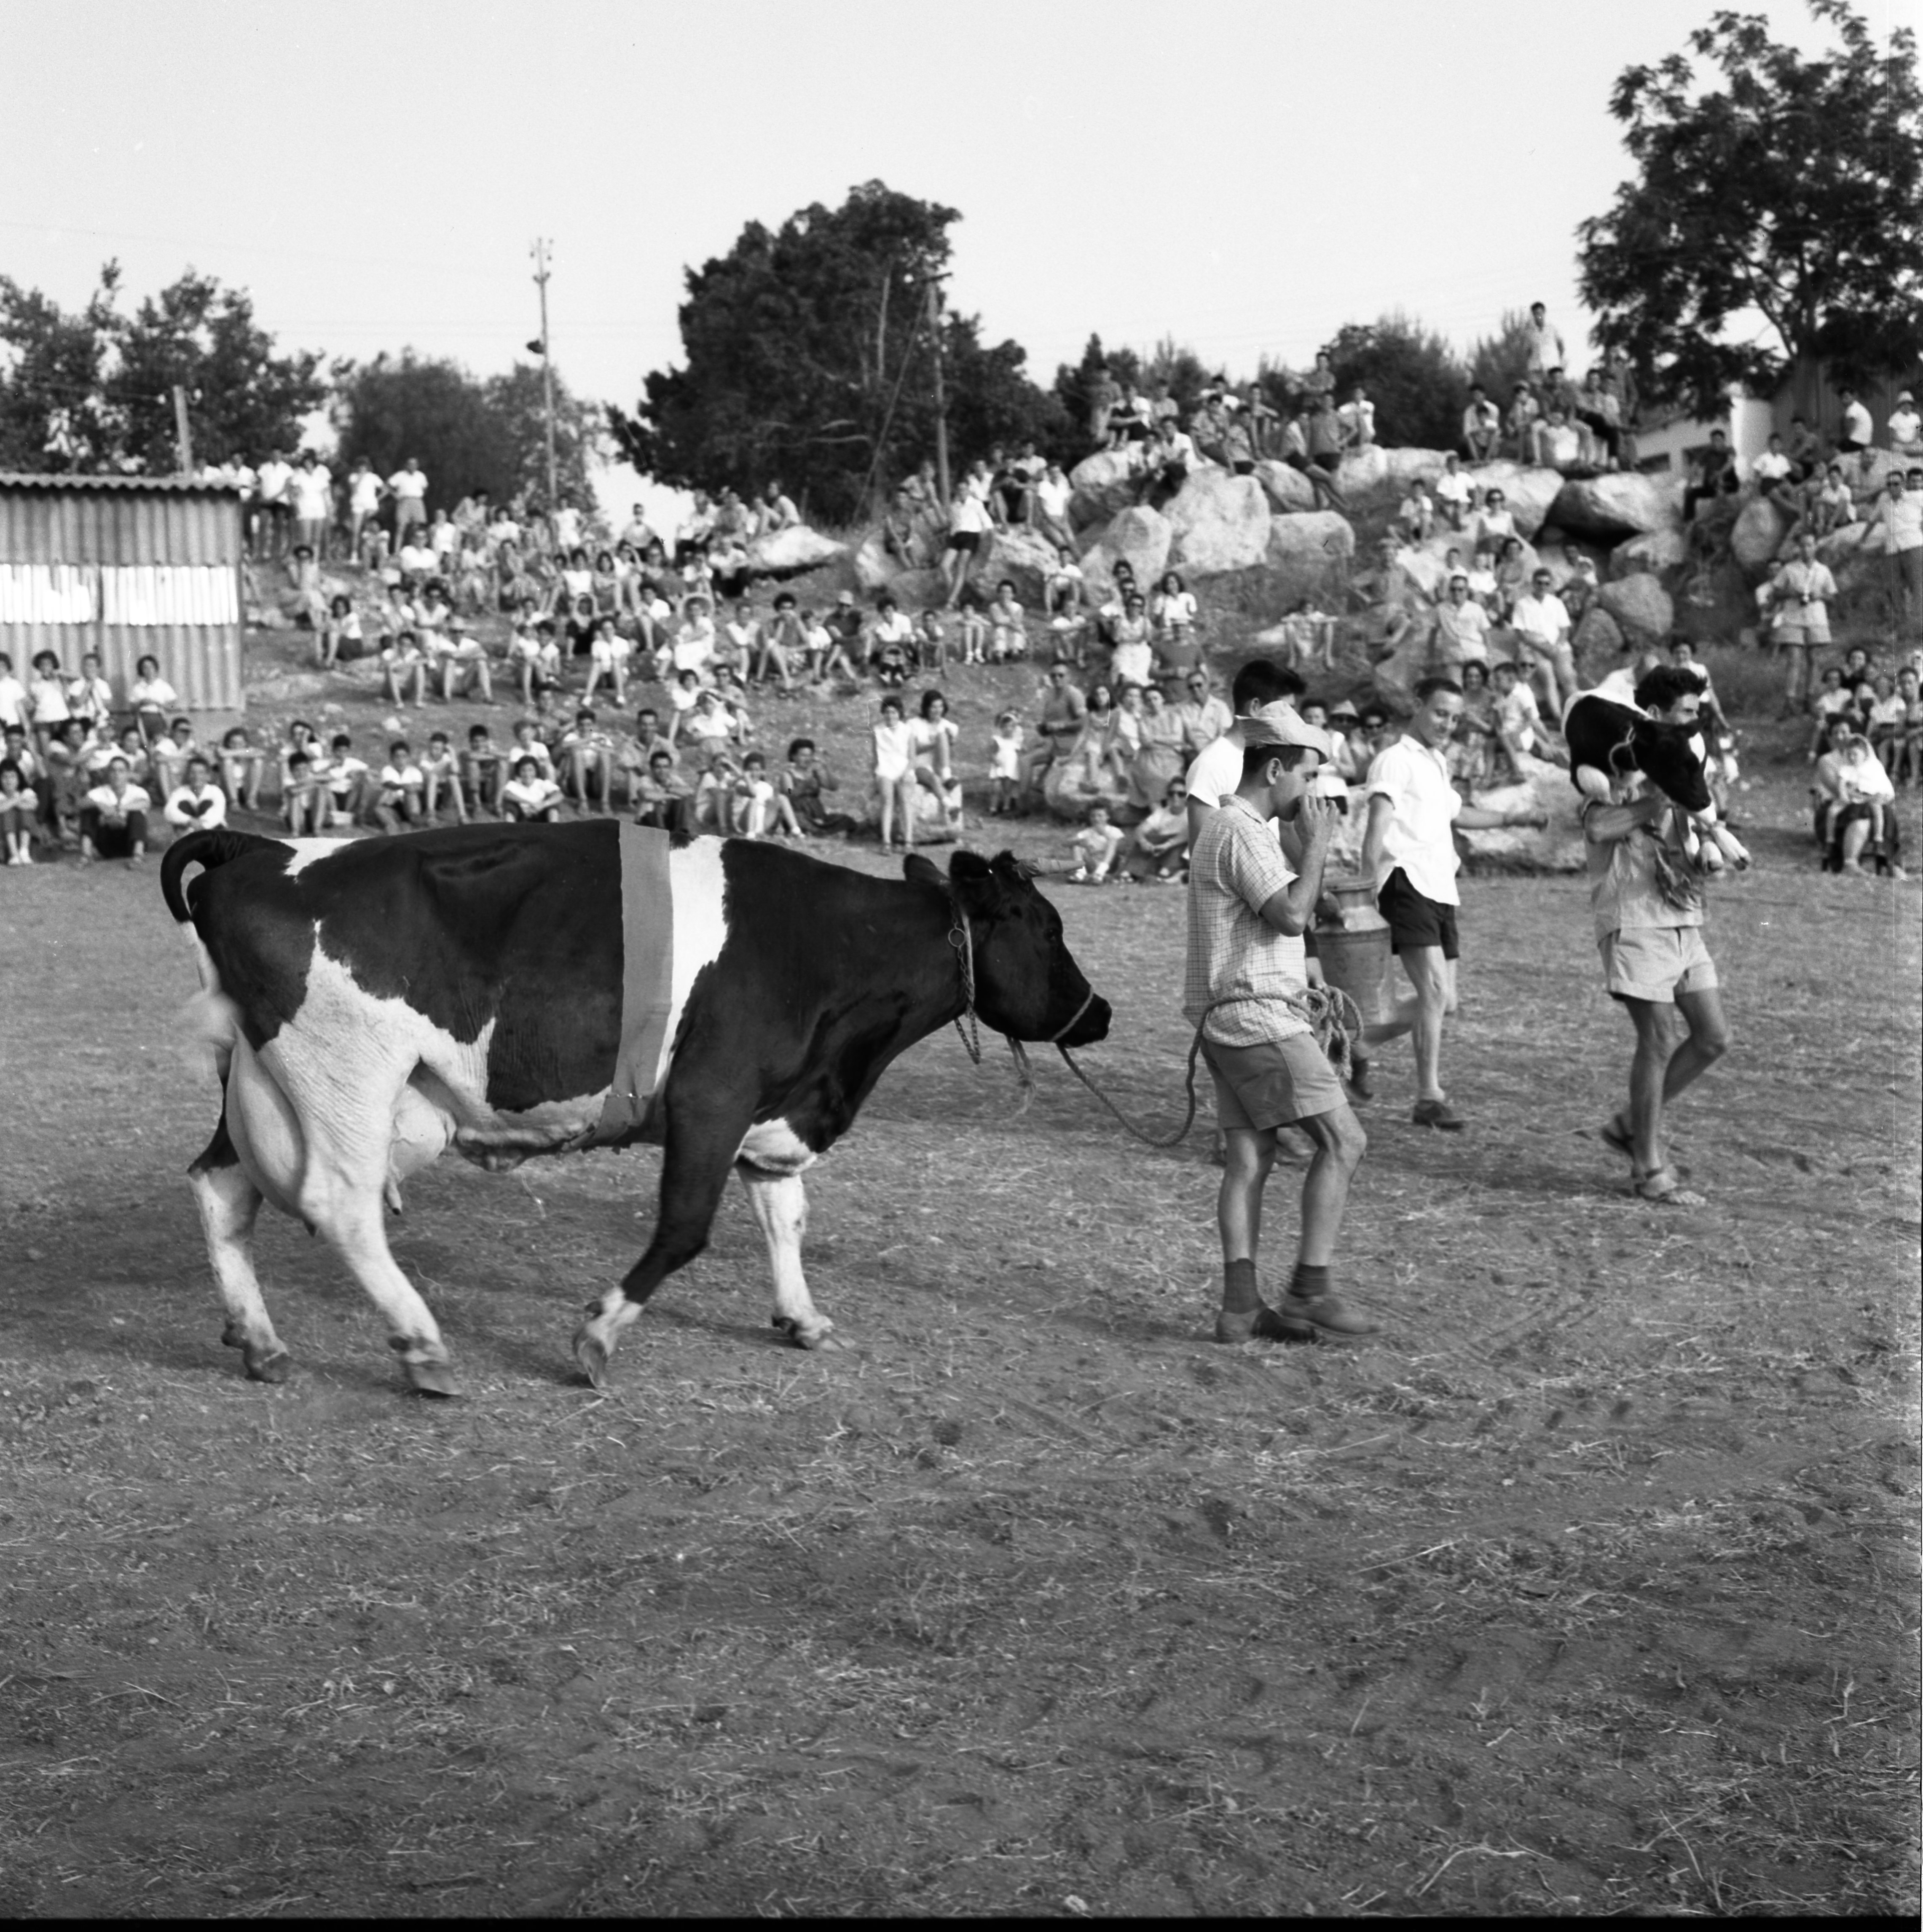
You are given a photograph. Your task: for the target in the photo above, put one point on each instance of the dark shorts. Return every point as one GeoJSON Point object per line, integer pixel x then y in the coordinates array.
{"type": "Point", "coordinates": [1274, 1085]}
{"type": "Point", "coordinates": [966, 541]}
{"type": "Point", "coordinates": [1415, 920]}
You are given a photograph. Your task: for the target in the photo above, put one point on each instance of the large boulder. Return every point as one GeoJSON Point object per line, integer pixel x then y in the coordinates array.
{"type": "Point", "coordinates": [1641, 607]}
{"type": "Point", "coordinates": [1625, 504]}
{"type": "Point", "coordinates": [1757, 534]}
{"type": "Point", "coordinates": [1026, 560]}
{"type": "Point", "coordinates": [1406, 465]}
{"type": "Point", "coordinates": [1102, 484]}
{"type": "Point", "coordinates": [1361, 471]}
{"type": "Point", "coordinates": [1651, 553]}
{"type": "Point", "coordinates": [1309, 554]}
{"type": "Point", "coordinates": [1218, 522]}
{"type": "Point", "coordinates": [876, 565]}
{"type": "Point", "coordinates": [1139, 534]}
{"type": "Point", "coordinates": [1288, 490]}
{"type": "Point", "coordinates": [787, 552]}
{"type": "Point", "coordinates": [1529, 490]}
{"type": "Point", "coordinates": [1597, 646]}
{"type": "Point", "coordinates": [1558, 847]}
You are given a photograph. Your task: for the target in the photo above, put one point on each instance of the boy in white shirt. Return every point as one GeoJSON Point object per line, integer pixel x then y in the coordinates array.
{"type": "Point", "coordinates": [398, 802]}
{"type": "Point", "coordinates": [113, 820]}
{"type": "Point", "coordinates": [1095, 845]}
{"type": "Point", "coordinates": [528, 796]}
{"type": "Point", "coordinates": [198, 805]}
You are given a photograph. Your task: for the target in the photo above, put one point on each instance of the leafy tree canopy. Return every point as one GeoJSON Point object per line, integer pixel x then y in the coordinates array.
{"type": "Point", "coordinates": [469, 434]}
{"type": "Point", "coordinates": [808, 361]}
{"type": "Point", "coordinates": [1414, 378]}
{"type": "Point", "coordinates": [94, 390]}
{"type": "Point", "coordinates": [1778, 215]}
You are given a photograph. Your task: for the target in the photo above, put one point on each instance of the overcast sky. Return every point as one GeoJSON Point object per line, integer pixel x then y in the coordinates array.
{"type": "Point", "coordinates": [1245, 176]}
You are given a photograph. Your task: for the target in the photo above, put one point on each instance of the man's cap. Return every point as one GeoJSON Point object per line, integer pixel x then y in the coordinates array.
{"type": "Point", "coordinates": [1344, 710]}
{"type": "Point", "coordinates": [1904, 396]}
{"type": "Point", "coordinates": [846, 597]}
{"type": "Point", "coordinates": [1281, 724]}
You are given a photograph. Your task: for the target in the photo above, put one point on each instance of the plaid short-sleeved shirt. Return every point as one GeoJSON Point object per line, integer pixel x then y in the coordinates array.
{"type": "Point", "coordinates": [1246, 971]}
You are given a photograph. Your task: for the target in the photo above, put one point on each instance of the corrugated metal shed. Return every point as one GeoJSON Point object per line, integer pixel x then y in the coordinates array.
{"type": "Point", "coordinates": [128, 566]}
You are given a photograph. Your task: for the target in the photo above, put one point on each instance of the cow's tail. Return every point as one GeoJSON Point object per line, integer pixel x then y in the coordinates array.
{"type": "Point", "coordinates": [209, 849]}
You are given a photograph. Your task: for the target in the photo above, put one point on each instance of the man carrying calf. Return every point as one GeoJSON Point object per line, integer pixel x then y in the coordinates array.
{"type": "Point", "coordinates": [1647, 904]}
{"type": "Point", "coordinates": [1245, 990]}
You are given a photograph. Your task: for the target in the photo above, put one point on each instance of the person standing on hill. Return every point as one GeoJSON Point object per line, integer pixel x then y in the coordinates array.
{"type": "Point", "coordinates": [1409, 851]}
{"type": "Point", "coordinates": [408, 486]}
{"type": "Point", "coordinates": [1803, 588]}
{"type": "Point", "coordinates": [1543, 342]}
{"type": "Point", "coordinates": [1244, 990]}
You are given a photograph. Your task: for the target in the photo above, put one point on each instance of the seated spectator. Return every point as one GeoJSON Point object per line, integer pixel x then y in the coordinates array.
{"type": "Point", "coordinates": [1906, 428]}
{"type": "Point", "coordinates": [464, 669]}
{"type": "Point", "coordinates": [15, 708]}
{"type": "Point", "coordinates": [1524, 413]}
{"type": "Point", "coordinates": [1461, 633]}
{"type": "Point", "coordinates": [712, 729]}
{"type": "Point", "coordinates": [1540, 620]}
{"type": "Point", "coordinates": [1203, 715]}
{"type": "Point", "coordinates": [1496, 522]}
{"type": "Point", "coordinates": [802, 785]}
{"type": "Point", "coordinates": [403, 670]}
{"type": "Point", "coordinates": [19, 813]}
{"type": "Point", "coordinates": [776, 511]}
{"type": "Point", "coordinates": [1715, 475]}
{"type": "Point", "coordinates": [1908, 764]}
{"type": "Point", "coordinates": [1512, 578]}
{"type": "Point", "coordinates": [399, 792]}
{"type": "Point", "coordinates": [151, 697]}
{"type": "Point", "coordinates": [1854, 799]}
{"type": "Point", "coordinates": [1832, 707]}
{"type": "Point", "coordinates": [1067, 590]}
{"type": "Point", "coordinates": [304, 798]}
{"type": "Point", "coordinates": [69, 745]}
{"type": "Point", "coordinates": [1064, 709]}
{"type": "Point", "coordinates": [1416, 512]}
{"type": "Point", "coordinates": [585, 760]}
{"type": "Point", "coordinates": [1773, 474]}
{"type": "Point", "coordinates": [167, 756]}
{"type": "Point", "coordinates": [1173, 614]}
{"type": "Point", "coordinates": [1453, 492]}
{"type": "Point", "coordinates": [662, 797]}
{"type": "Point", "coordinates": [347, 779]}
{"type": "Point", "coordinates": [756, 809]}
{"type": "Point", "coordinates": [529, 797]}
{"type": "Point", "coordinates": [1172, 457]}
{"type": "Point", "coordinates": [1312, 444]}
{"type": "Point", "coordinates": [1599, 413]}
{"type": "Point", "coordinates": [47, 698]}
{"type": "Point", "coordinates": [534, 654]}
{"type": "Point", "coordinates": [1834, 508]}
{"type": "Point", "coordinates": [888, 638]}
{"type": "Point", "coordinates": [1482, 577]}
{"type": "Point", "coordinates": [1133, 659]}
{"type": "Point", "coordinates": [1095, 847]}
{"type": "Point", "coordinates": [1888, 713]}
{"type": "Point", "coordinates": [1558, 444]}
{"type": "Point", "coordinates": [1518, 719]}
{"type": "Point", "coordinates": [1162, 751]}
{"type": "Point", "coordinates": [1470, 752]}
{"type": "Point", "coordinates": [113, 819]}
{"type": "Point", "coordinates": [1356, 418]}
{"type": "Point", "coordinates": [607, 656]}
{"type": "Point", "coordinates": [1482, 429]}
{"type": "Point", "coordinates": [1158, 850]}
{"type": "Point", "coordinates": [930, 645]}
{"type": "Point", "coordinates": [338, 634]}
{"type": "Point", "coordinates": [1008, 632]}
{"type": "Point", "coordinates": [440, 777]}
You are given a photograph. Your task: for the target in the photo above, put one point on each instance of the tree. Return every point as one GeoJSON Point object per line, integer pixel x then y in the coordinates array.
{"type": "Point", "coordinates": [94, 390]}
{"type": "Point", "coordinates": [1499, 361]}
{"type": "Point", "coordinates": [807, 360]}
{"type": "Point", "coordinates": [1779, 216]}
{"type": "Point", "coordinates": [1414, 378]}
{"type": "Point", "coordinates": [469, 435]}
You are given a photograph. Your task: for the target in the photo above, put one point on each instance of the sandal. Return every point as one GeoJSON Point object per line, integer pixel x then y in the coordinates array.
{"type": "Point", "coordinates": [1662, 1185]}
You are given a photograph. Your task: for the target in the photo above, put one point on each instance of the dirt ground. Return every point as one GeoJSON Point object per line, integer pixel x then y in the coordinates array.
{"type": "Point", "coordinates": [1589, 1587]}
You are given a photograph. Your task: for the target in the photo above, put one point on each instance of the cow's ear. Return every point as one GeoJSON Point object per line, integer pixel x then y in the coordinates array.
{"type": "Point", "coordinates": [967, 868]}
{"type": "Point", "coordinates": [920, 872]}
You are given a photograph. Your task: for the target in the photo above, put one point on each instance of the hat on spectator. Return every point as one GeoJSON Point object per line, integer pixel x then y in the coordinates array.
{"type": "Point", "coordinates": [1282, 723]}
{"type": "Point", "coordinates": [1344, 710]}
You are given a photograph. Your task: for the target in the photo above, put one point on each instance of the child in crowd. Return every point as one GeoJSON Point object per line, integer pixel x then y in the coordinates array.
{"type": "Point", "coordinates": [1416, 514]}
{"type": "Point", "coordinates": [1158, 850]}
{"type": "Point", "coordinates": [1095, 847]}
{"type": "Point", "coordinates": [13, 703]}
{"type": "Point", "coordinates": [347, 779]}
{"type": "Point", "coordinates": [891, 660]}
{"type": "Point", "coordinates": [585, 756]}
{"type": "Point", "coordinates": [758, 811]}
{"type": "Point", "coordinates": [464, 670]}
{"type": "Point", "coordinates": [1908, 763]}
{"type": "Point", "coordinates": [167, 757]}
{"type": "Point", "coordinates": [802, 785]}
{"type": "Point", "coordinates": [1518, 719]}
{"type": "Point", "coordinates": [19, 810]}
{"type": "Point", "coordinates": [894, 772]}
{"type": "Point", "coordinates": [440, 775]}
{"type": "Point", "coordinates": [47, 698]}
{"type": "Point", "coordinates": [1008, 634]}
{"type": "Point", "coordinates": [530, 795]}
{"type": "Point", "coordinates": [338, 634]}
{"type": "Point", "coordinates": [197, 804]}
{"type": "Point", "coordinates": [1832, 707]}
{"type": "Point", "coordinates": [1888, 713]}
{"type": "Point", "coordinates": [241, 761]}
{"type": "Point", "coordinates": [304, 798]}
{"type": "Point", "coordinates": [483, 767]}
{"type": "Point", "coordinates": [400, 791]}
{"type": "Point", "coordinates": [1005, 763]}
{"type": "Point", "coordinates": [403, 670]}
{"type": "Point", "coordinates": [68, 745]}
{"type": "Point", "coordinates": [974, 637]}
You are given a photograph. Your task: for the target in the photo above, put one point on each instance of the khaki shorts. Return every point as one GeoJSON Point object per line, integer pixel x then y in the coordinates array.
{"type": "Point", "coordinates": [1271, 1085]}
{"type": "Point", "coordinates": [1656, 963]}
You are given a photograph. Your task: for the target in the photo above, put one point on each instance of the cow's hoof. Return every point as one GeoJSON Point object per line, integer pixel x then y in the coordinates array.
{"type": "Point", "coordinates": [592, 1354]}
{"type": "Point", "coordinates": [433, 1379]}
{"type": "Point", "coordinates": [805, 1338]}
{"type": "Point", "coordinates": [266, 1365]}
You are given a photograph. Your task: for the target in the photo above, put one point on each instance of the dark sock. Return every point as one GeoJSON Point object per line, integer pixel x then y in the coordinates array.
{"type": "Point", "coordinates": [1239, 1296]}
{"type": "Point", "coordinates": [1308, 1283]}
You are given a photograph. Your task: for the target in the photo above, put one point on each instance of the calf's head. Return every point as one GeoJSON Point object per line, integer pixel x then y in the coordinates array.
{"type": "Point", "coordinates": [1675, 759]}
{"type": "Point", "coordinates": [1027, 983]}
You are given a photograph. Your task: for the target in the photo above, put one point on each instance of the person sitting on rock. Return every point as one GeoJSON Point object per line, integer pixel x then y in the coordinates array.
{"type": "Point", "coordinates": [1417, 513]}
{"type": "Point", "coordinates": [1524, 410]}
{"type": "Point", "coordinates": [1716, 475]}
{"type": "Point", "coordinates": [1835, 507]}
{"type": "Point", "coordinates": [1312, 444]}
{"type": "Point", "coordinates": [1599, 415]}
{"type": "Point", "coordinates": [1172, 457]}
{"type": "Point", "coordinates": [1357, 418]}
{"type": "Point", "coordinates": [1541, 620]}
{"type": "Point", "coordinates": [1773, 474]}
{"type": "Point", "coordinates": [1453, 492]}
{"type": "Point", "coordinates": [1482, 428]}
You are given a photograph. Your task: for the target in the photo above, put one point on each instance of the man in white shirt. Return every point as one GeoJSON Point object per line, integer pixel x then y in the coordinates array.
{"type": "Point", "coordinates": [408, 486]}
{"type": "Point", "coordinates": [1899, 516]}
{"type": "Point", "coordinates": [1357, 418]}
{"type": "Point", "coordinates": [310, 489]}
{"type": "Point", "coordinates": [1453, 488]}
{"type": "Point", "coordinates": [1409, 851]}
{"type": "Point", "coordinates": [1857, 431]}
{"type": "Point", "coordinates": [1544, 342]}
{"type": "Point", "coordinates": [1461, 635]}
{"type": "Point", "coordinates": [777, 511]}
{"type": "Point", "coordinates": [1216, 768]}
{"type": "Point", "coordinates": [1905, 429]}
{"type": "Point", "coordinates": [113, 821]}
{"type": "Point", "coordinates": [1172, 456]}
{"type": "Point", "coordinates": [1482, 427]}
{"type": "Point", "coordinates": [1803, 589]}
{"type": "Point", "coordinates": [271, 482]}
{"type": "Point", "coordinates": [198, 805]}
{"type": "Point", "coordinates": [1772, 472]}
{"type": "Point", "coordinates": [1541, 619]}
{"type": "Point", "coordinates": [364, 491]}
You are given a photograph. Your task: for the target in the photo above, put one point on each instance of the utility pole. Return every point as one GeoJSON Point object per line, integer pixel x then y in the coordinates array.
{"type": "Point", "coordinates": [183, 433]}
{"type": "Point", "coordinates": [539, 252]}
{"type": "Point", "coordinates": [940, 410]}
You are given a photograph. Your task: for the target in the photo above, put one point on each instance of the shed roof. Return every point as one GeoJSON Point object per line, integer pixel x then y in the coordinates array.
{"type": "Point", "coordinates": [170, 486]}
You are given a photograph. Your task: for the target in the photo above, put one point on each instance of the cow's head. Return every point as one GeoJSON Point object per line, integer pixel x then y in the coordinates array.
{"type": "Point", "coordinates": [1675, 759]}
{"type": "Point", "coordinates": [1027, 983]}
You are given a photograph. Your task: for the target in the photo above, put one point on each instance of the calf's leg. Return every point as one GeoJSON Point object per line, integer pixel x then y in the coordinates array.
{"type": "Point", "coordinates": [228, 1203]}
{"type": "Point", "coordinates": [780, 1204]}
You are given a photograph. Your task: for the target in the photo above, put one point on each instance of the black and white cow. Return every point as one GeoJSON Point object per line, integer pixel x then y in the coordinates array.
{"type": "Point", "coordinates": [1608, 740]}
{"type": "Point", "coordinates": [374, 1003]}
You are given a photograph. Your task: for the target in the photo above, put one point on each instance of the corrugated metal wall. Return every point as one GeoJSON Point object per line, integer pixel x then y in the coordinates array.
{"type": "Point", "coordinates": [109, 539]}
